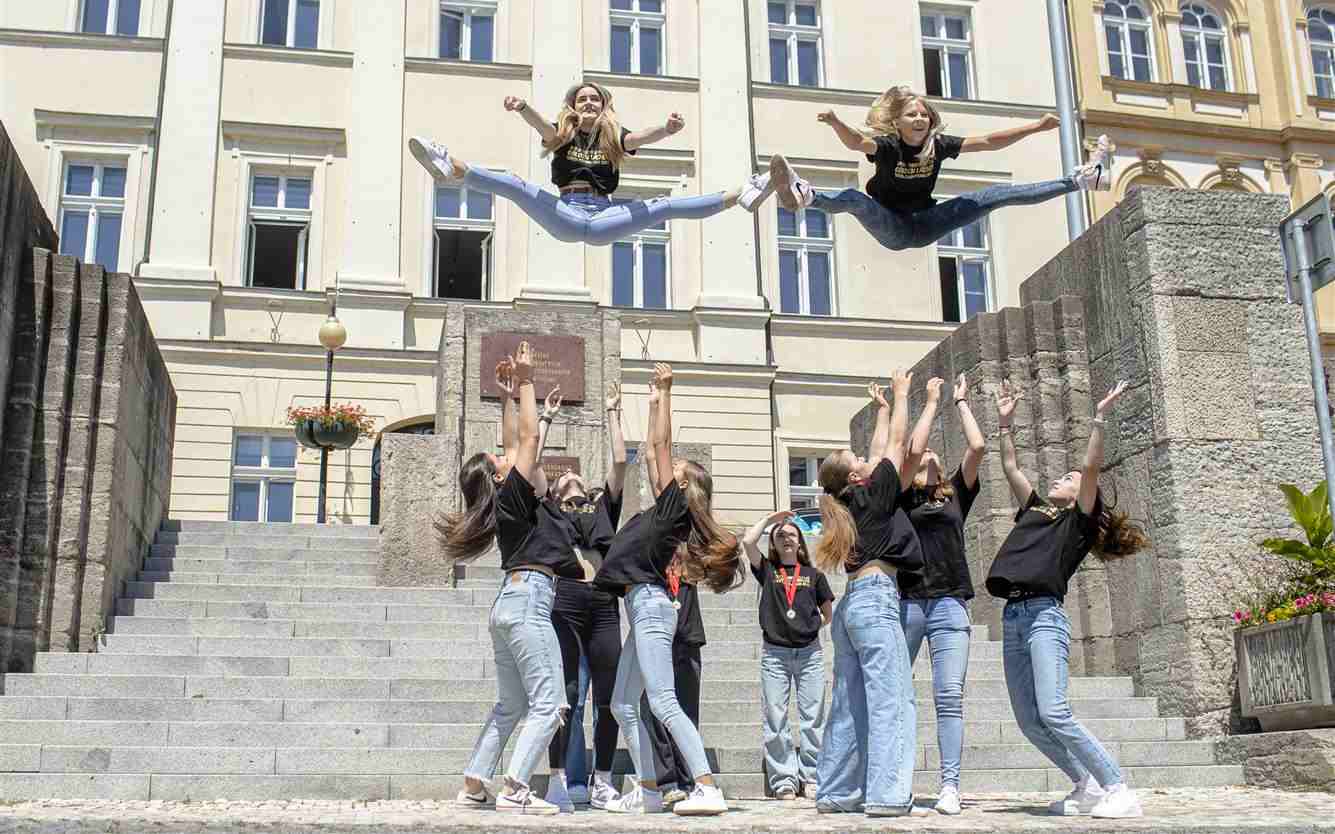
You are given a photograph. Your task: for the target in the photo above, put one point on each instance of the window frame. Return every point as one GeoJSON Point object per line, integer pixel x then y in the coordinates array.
{"type": "Point", "coordinates": [638, 240]}
{"type": "Point", "coordinates": [812, 464]}
{"type": "Point", "coordinates": [1202, 36]}
{"type": "Point", "coordinates": [962, 254]}
{"type": "Point", "coordinates": [1327, 46]}
{"type": "Point", "coordinates": [462, 223]}
{"type": "Point", "coordinates": [1124, 25]}
{"type": "Point", "coordinates": [289, 42]}
{"type": "Point", "coordinates": [469, 8]}
{"type": "Point", "coordinates": [948, 46]}
{"type": "Point", "coordinates": [264, 474]}
{"type": "Point", "coordinates": [279, 215]}
{"type": "Point", "coordinates": [637, 20]}
{"type": "Point", "coordinates": [113, 12]}
{"type": "Point", "coordinates": [94, 204]}
{"type": "Point", "coordinates": [793, 33]}
{"type": "Point", "coordinates": [804, 245]}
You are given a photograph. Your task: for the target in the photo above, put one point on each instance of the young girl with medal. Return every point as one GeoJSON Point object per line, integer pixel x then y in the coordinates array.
{"type": "Point", "coordinates": [795, 602]}
{"type": "Point", "coordinates": [905, 138]}
{"type": "Point", "coordinates": [587, 144]}
{"type": "Point", "coordinates": [537, 543]}
{"type": "Point", "coordinates": [678, 527]}
{"type": "Point", "coordinates": [1050, 539]}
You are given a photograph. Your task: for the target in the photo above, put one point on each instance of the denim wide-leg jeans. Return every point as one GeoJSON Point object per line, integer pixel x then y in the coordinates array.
{"type": "Point", "coordinates": [780, 668]}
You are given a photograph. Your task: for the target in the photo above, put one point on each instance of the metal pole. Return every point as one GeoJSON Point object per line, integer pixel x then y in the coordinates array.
{"type": "Point", "coordinates": [1070, 130]}
{"type": "Point", "coordinates": [324, 450]}
{"type": "Point", "coordinates": [1318, 368]}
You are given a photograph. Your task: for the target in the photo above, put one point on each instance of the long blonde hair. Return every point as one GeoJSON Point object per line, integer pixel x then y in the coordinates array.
{"type": "Point", "coordinates": [607, 129]}
{"type": "Point", "coordinates": [890, 105]}
{"type": "Point", "coordinates": [839, 535]}
{"type": "Point", "coordinates": [709, 554]}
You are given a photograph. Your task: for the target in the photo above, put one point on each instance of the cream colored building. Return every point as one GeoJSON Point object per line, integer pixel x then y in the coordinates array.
{"type": "Point", "coordinates": [265, 165]}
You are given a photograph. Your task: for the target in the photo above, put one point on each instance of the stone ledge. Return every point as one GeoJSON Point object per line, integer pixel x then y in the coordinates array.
{"type": "Point", "coordinates": [1298, 760]}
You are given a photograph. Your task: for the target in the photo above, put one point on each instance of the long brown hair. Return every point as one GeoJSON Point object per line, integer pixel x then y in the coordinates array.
{"type": "Point", "coordinates": [890, 105]}
{"type": "Point", "coordinates": [607, 128]}
{"type": "Point", "coordinates": [803, 558]}
{"type": "Point", "coordinates": [1118, 535]}
{"type": "Point", "coordinates": [468, 534]}
{"type": "Point", "coordinates": [838, 535]}
{"type": "Point", "coordinates": [709, 554]}
{"type": "Point", "coordinates": [938, 492]}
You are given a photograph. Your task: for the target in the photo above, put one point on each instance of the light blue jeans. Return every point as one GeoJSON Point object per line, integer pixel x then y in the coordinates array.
{"type": "Point", "coordinates": [780, 667]}
{"type": "Point", "coordinates": [1036, 642]}
{"type": "Point", "coordinates": [646, 666]}
{"type": "Point", "coordinates": [529, 679]}
{"type": "Point", "coordinates": [585, 217]}
{"type": "Point", "coordinates": [871, 737]}
{"type": "Point", "coordinates": [913, 230]}
{"type": "Point", "coordinates": [945, 624]}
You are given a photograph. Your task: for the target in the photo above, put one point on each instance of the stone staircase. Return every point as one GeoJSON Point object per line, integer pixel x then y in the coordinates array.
{"type": "Point", "coordinates": [255, 662]}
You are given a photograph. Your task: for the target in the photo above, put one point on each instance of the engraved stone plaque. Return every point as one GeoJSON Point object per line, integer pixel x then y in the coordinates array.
{"type": "Point", "coordinates": [557, 360]}
{"type": "Point", "coordinates": [554, 466]}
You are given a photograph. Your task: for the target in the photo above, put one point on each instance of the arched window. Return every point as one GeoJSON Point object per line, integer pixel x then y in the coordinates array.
{"type": "Point", "coordinates": [1321, 39]}
{"type": "Point", "coordinates": [1126, 29]}
{"type": "Point", "coordinates": [1205, 44]}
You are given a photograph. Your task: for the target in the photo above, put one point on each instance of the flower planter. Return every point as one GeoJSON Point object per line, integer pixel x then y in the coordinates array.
{"type": "Point", "coordinates": [1284, 672]}
{"type": "Point", "coordinates": [315, 435]}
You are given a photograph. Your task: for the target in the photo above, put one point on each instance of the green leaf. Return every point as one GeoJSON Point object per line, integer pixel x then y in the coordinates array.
{"type": "Point", "coordinates": [1310, 512]}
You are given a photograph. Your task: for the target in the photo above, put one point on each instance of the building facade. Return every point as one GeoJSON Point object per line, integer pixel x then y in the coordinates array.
{"type": "Point", "coordinates": [246, 162]}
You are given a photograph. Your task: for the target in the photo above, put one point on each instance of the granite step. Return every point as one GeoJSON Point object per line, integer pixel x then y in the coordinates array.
{"type": "Point", "coordinates": [295, 539]}
{"type": "Point", "coordinates": [179, 527]}
{"type": "Point", "coordinates": [276, 567]}
{"type": "Point", "coordinates": [235, 627]}
{"type": "Point", "coordinates": [344, 580]}
{"type": "Point", "coordinates": [283, 552]}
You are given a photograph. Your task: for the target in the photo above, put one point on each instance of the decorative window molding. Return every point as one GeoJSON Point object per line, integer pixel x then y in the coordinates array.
{"type": "Point", "coordinates": [637, 37]}
{"type": "Point", "coordinates": [264, 476]}
{"type": "Point", "coordinates": [1206, 48]}
{"type": "Point", "coordinates": [266, 159]}
{"type": "Point", "coordinates": [807, 277]}
{"type": "Point", "coordinates": [640, 266]}
{"type": "Point", "coordinates": [467, 30]}
{"type": "Point", "coordinates": [947, 48]}
{"type": "Point", "coordinates": [461, 217]}
{"type": "Point", "coordinates": [1126, 33]}
{"type": "Point", "coordinates": [796, 42]}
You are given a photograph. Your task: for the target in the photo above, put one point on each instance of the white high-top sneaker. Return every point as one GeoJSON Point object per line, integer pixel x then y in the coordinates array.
{"type": "Point", "coordinates": [1080, 801]}
{"type": "Point", "coordinates": [792, 191]}
{"type": "Point", "coordinates": [434, 157]}
{"type": "Point", "coordinates": [1119, 803]}
{"type": "Point", "coordinates": [755, 192]}
{"type": "Point", "coordinates": [704, 801]}
{"type": "Point", "coordinates": [602, 794]}
{"type": "Point", "coordinates": [1096, 175]}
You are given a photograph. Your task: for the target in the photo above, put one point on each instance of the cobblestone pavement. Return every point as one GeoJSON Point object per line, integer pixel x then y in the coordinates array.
{"type": "Point", "coordinates": [1170, 811]}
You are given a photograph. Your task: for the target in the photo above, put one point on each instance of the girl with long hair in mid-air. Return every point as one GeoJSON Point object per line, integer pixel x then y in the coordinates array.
{"type": "Point", "coordinates": [503, 503]}
{"type": "Point", "coordinates": [906, 139]}
{"type": "Point", "coordinates": [1050, 539]}
{"type": "Point", "coordinates": [679, 527]}
{"type": "Point", "coordinates": [587, 144]}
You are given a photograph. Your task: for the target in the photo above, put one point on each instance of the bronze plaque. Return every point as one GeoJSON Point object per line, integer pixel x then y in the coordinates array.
{"type": "Point", "coordinates": [557, 360]}
{"type": "Point", "coordinates": [554, 466]}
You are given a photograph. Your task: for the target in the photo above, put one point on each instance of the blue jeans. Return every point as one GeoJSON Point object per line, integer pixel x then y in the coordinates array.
{"type": "Point", "coordinates": [530, 683]}
{"type": "Point", "coordinates": [577, 760]}
{"type": "Point", "coordinates": [913, 230]}
{"type": "Point", "coordinates": [646, 666]}
{"type": "Point", "coordinates": [945, 624]}
{"type": "Point", "coordinates": [779, 668]}
{"type": "Point", "coordinates": [871, 736]}
{"type": "Point", "coordinates": [585, 217]}
{"type": "Point", "coordinates": [1036, 643]}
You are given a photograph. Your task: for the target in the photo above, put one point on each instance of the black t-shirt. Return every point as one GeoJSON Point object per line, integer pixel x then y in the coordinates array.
{"type": "Point", "coordinates": [902, 182]}
{"type": "Point", "coordinates": [583, 159]}
{"type": "Point", "coordinates": [813, 591]}
{"type": "Point", "coordinates": [642, 550]}
{"type": "Point", "coordinates": [884, 531]}
{"type": "Point", "coordinates": [1043, 550]}
{"type": "Point", "coordinates": [595, 522]}
{"type": "Point", "coordinates": [533, 531]}
{"type": "Point", "coordinates": [940, 529]}
{"type": "Point", "coordinates": [690, 622]}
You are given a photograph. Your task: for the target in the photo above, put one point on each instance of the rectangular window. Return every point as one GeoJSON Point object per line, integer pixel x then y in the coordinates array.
{"type": "Point", "coordinates": [637, 36]}
{"type": "Point", "coordinates": [264, 475]}
{"type": "Point", "coordinates": [806, 263]}
{"type": "Point", "coordinates": [110, 17]}
{"type": "Point", "coordinates": [278, 230]}
{"type": "Point", "coordinates": [294, 23]}
{"type": "Point", "coordinates": [794, 43]}
{"type": "Point", "coordinates": [803, 481]}
{"type": "Point", "coordinates": [468, 30]}
{"type": "Point", "coordinates": [463, 227]}
{"type": "Point", "coordinates": [964, 259]}
{"type": "Point", "coordinates": [947, 54]}
{"type": "Point", "coordinates": [92, 208]}
{"type": "Point", "coordinates": [640, 268]}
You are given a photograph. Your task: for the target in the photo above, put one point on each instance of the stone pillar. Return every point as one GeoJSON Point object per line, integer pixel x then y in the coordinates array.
{"type": "Point", "coordinates": [418, 481]}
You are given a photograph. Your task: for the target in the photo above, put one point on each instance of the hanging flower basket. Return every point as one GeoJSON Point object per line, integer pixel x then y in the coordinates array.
{"type": "Point", "coordinates": [336, 427]}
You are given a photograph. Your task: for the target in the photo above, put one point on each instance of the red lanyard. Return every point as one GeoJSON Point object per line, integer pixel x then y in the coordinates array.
{"type": "Point", "coordinates": [790, 588]}
{"type": "Point", "coordinates": [674, 585]}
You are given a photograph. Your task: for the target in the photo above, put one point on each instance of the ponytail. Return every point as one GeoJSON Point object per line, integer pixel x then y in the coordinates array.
{"type": "Point", "coordinates": [468, 534]}
{"type": "Point", "coordinates": [1118, 535]}
{"type": "Point", "coordinates": [839, 535]}
{"type": "Point", "coordinates": [709, 555]}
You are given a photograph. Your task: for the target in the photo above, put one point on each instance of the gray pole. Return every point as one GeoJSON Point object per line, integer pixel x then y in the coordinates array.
{"type": "Point", "coordinates": [1070, 129]}
{"type": "Point", "coordinates": [1299, 237]}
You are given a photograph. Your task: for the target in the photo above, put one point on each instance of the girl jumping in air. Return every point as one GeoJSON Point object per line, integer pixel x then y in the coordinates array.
{"type": "Point", "coordinates": [866, 757]}
{"type": "Point", "coordinates": [587, 144]}
{"type": "Point", "coordinates": [795, 602]}
{"type": "Point", "coordinates": [1049, 541]}
{"type": "Point", "coordinates": [537, 544]}
{"type": "Point", "coordinates": [904, 137]}
{"type": "Point", "coordinates": [679, 526]}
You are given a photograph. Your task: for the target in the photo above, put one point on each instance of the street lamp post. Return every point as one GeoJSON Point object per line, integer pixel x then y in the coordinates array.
{"type": "Point", "coordinates": [333, 335]}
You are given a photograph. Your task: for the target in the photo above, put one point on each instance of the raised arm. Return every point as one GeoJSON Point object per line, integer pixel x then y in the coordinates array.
{"type": "Point", "coordinates": [999, 139]}
{"type": "Point", "coordinates": [898, 452]}
{"type": "Point", "coordinates": [973, 436]}
{"type": "Point", "coordinates": [1006, 401]}
{"type": "Point", "coordinates": [880, 435]}
{"type": "Point", "coordinates": [535, 120]}
{"type": "Point", "coordinates": [1089, 471]}
{"type": "Point", "coordinates": [852, 139]}
{"type": "Point", "coordinates": [649, 135]}
{"type": "Point", "coordinates": [505, 381]}
{"type": "Point", "coordinates": [650, 462]}
{"type": "Point", "coordinates": [526, 459]}
{"type": "Point", "coordinates": [551, 408]}
{"type": "Point", "coordinates": [662, 437]}
{"type": "Point", "coordinates": [922, 430]}
{"type": "Point", "coordinates": [751, 538]}
{"type": "Point", "coordinates": [616, 475]}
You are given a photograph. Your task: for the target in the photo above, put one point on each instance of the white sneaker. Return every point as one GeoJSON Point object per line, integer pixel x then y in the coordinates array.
{"type": "Point", "coordinates": [1096, 175]}
{"type": "Point", "coordinates": [523, 801]}
{"type": "Point", "coordinates": [787, 792]}
{"type": "Point", "coordinates": [435, 158]}
{"type": "Point", "coordinates": [559, 796]}
{"type": "Point", "coordinates": [704, 801]}
{"type": "Point", "coordinates": [672, 797]}
{"type": "Point", "coordinates": [579, 794]}
{"type": "Point", "coordinates": [630, 802]}
{"type": "Point", "coordinates": [482, 799]}
{"type": "Point", "coordinates": [948, 802]}
{"type": "Point", "coordinates": [1080, 801]}
{"type": "Point", "coordinates": [792, 191]}
{"type": "Point", "coordinates": [755, 192]}
{"type": "Point", "coordinates": [1118, 803]}
{"type": "Point", "coordinates": [602, 795]}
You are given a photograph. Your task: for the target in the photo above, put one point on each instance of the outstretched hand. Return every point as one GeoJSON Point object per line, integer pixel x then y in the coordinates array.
{"type": "Point", "coordinates": [1050, 121]}
{"type": "Point", "coordinates": [515, 104]}
{"type": "Point", "coordinates": [675, 122]}
{"type": "Point", "coordinates": [934, 389]}
{"type": "Point", "coordinates": [777, 518]}
{"type": "Point", "coordinates": [1007, 399]}
{"type": "Point", "coordinates": [828, 117]}
{"type": "Point", "coordinates": [877, 394]}
{"type": "Point", "coordinates": [901, 382]}
{"type": "Point", "coordinates": [961, 388]}
{"type": "Point", "coordinates": [523, 364]}
{"type": "Point", "coordinates": [553, 403]}
{"type": "Point", "coordinates": [505, 379]}
{"type": "Point", "coordinates": [662, 376]}
{"type": "Point", "coordinates": [1111, 397]}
